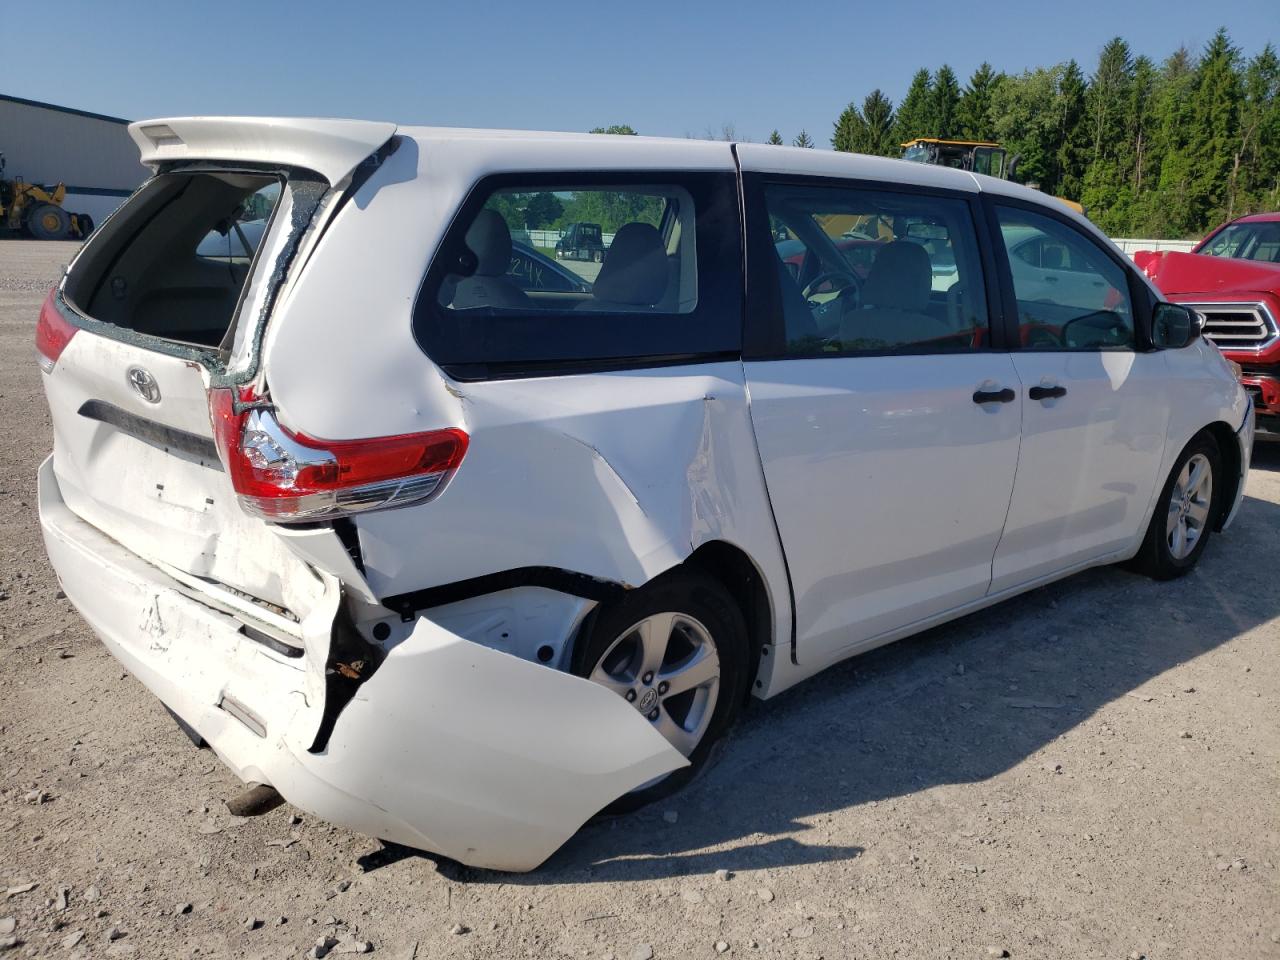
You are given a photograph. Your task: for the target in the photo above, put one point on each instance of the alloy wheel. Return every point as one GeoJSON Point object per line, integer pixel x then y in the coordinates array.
{"type": "Point", "coordinates": [1189, 506]}
{"type": "Point", "coordinates": [668, 668]}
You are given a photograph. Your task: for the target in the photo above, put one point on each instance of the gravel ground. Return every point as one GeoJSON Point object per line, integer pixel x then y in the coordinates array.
{"type": "Point", "coordinates": [1087, 771]}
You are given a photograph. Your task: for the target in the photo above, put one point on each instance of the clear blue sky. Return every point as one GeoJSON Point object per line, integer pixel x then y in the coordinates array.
{"type": "Point", "coordinates": [666, 68]}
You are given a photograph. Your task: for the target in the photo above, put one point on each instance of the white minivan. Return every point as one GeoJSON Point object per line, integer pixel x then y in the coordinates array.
{"type": "Point", "coordinates": [459, 548]}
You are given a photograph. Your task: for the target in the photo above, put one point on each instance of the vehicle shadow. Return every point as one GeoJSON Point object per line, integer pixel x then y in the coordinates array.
{"type": "Point", "coordinates": [957, 704]}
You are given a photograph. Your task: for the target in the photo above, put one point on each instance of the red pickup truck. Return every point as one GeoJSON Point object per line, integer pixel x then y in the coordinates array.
{"type": "Point", "coordinates": [1232, 277]}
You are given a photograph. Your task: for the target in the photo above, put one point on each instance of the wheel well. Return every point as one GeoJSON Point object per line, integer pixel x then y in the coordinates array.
{"type": "Point", "coordinates": [1230, 451]}
{"type": "Point", "coordinates": [739, 575]}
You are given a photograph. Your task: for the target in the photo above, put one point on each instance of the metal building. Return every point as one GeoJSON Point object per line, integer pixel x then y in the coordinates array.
{"type": "Point", "coordinates": [92, 154]}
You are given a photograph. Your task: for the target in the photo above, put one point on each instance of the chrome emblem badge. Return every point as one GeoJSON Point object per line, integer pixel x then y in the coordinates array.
{"type": "Point", "coordinates": [649, 700]}
{"type": "Point", "coordinates": [144, 384]}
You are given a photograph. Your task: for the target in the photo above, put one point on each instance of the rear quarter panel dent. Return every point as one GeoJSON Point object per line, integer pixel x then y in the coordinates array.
{"type": "Point", "coordinates": [617, 475]}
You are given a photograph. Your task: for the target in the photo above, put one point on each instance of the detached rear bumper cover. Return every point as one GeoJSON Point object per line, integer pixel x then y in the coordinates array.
{"type": "Point", "coordinates": [449, 747]}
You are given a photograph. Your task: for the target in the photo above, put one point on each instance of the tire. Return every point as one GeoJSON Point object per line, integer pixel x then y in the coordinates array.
{"type": "Point", "coordinates": [86, 225]}
{"type": "Point", "coordinates": [701, 612]}
{"type": "Point", "coordinates": [1182, 522]}
{"type": "Point", "coordinates": [47, 222]}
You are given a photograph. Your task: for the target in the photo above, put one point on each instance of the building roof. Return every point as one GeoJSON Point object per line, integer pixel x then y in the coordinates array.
{"type": "Point", "coordinates": [53, 106]}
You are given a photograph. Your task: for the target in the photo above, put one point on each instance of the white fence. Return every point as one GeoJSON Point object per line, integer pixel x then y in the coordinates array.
{"type": "Point", "coordinates": [1131, 246]}
{"type": "Point", "coordinates": [547, 238]}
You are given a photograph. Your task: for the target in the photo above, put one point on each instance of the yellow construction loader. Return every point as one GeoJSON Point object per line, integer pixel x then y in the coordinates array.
{"type": "Point", "coordinates": [976, 156]}
{"type": "Point", "coordinates": [35, 210]}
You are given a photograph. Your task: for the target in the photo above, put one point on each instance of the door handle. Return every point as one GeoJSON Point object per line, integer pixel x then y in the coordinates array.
{"type": "Point", "coordinates": [1005, 395]}
{"type": "Point", "coordinates": [1046, 393]}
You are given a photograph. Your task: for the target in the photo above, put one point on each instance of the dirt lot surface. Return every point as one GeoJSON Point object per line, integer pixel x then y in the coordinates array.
{"type": "Point", "coordinates": [1087, 771]}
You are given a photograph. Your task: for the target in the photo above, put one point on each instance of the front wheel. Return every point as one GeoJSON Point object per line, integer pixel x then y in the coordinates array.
{"type": "Point", "coordinates": [1185, 512]}
{"type": "Point", "coordinates": [676, 650]}
{"type": "Point", "coordinates": [48, 222]}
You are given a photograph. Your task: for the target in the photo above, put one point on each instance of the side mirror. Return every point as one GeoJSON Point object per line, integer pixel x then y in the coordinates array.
{"type": "Point", "coordinates": [1174, 326]}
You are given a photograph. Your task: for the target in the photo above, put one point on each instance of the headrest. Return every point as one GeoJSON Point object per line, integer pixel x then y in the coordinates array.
{"type": "Point", "coordinates": [635, 268]}
{"type": "Point", "coordinates": [900, 278]}
{"type": "Point", "coordinates": [490, 240]}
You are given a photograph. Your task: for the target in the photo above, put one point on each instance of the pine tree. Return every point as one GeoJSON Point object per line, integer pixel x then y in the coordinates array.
{"type": "Point", "coordinates": [1256, 163]}
{"type": "Point", "coordinates": [944, 103]}
{"type": "Point", "coordinates": [850, 130]}
{"type": "Point", "coordinates": [1140, 117]}
{"type": "Point", "coordinates": [914, 111]}
{"type": "Point", "coordinates": [1107, 94]}
{"type": "Point", "coordinates": [877, 114]}
{"type": "Point", "coordinates": [1072, 155]}
{"type": "Point", "coordinates": [868, 129]}
{"type": "Point", "coordinates": [775, 138]}
{"type": "Point", "coordinates": [1170, 214]}
{"type": "Point", "coordinates": [1215, 119]}
{"type": "Point", "coordinates": [802, 140]}
{"type": "Point", "coordinates": [1106, 180]}
{"type": "Point", "coordinates": [973, 115]}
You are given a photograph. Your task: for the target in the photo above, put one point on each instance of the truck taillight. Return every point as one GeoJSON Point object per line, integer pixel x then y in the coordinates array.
{"type": "Point", "coordinates": [53, 333]}
{"type": "Point", "coordinates": [284, 476]}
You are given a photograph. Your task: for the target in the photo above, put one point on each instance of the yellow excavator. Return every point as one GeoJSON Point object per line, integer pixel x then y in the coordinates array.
{"type": "Point", "coordinates": [35, 210]}
{"type": "Point", "coordinates": [976, 156]}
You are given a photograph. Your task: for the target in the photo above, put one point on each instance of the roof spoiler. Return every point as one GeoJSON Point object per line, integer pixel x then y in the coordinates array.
{"type": "Point", "coordinates": [332, 148]}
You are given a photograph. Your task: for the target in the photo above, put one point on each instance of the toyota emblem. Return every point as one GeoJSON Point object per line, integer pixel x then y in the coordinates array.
{"type": "Point", "coordinates": [144, 384]}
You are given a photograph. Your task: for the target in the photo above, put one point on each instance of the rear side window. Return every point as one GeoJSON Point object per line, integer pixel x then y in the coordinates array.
{"type": "Point", "coordinates": [572, 271]}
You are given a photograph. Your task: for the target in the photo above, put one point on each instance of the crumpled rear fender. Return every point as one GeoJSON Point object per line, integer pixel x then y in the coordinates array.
{"type": "Point", "coordinates": [449, 746]}
{"type": "Point", "coordinates": [482, 756]}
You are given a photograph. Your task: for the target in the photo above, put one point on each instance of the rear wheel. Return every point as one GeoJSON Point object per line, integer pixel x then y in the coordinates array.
{"type": "Point", "coordinates": [48, 222]}
{"type": "Point", "coordinates": [676, 650]}
{"type": "Point", "coordinates": [85, 224]}
{"type": "Point", "coordinates": [1185, 512]}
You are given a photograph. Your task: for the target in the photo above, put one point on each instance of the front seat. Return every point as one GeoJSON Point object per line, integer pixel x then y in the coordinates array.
{"type": "Point", "coordinates": [490, 240]}
{"type": "Point", "coordinates": [894, 299]}
{"type": "Point", "coordinates": [634, 273]}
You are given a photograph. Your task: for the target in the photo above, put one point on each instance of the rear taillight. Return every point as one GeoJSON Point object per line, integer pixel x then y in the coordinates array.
{"type": "Point", "coordinates": [285, 476]}
{"type": "Point", "coordinates": [53, 333]}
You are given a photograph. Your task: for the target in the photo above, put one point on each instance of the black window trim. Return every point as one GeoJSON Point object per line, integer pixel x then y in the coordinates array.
{"type": "Point", "coordinates": [425, 308]}
{"type": "Point", "coordinates": [763, 321]}
{"type": "Point", "coordinates": [1140, 298]}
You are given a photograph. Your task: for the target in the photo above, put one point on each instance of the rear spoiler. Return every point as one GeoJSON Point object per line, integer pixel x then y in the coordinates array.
{"type": "Point", "coordinates": [332, 148]}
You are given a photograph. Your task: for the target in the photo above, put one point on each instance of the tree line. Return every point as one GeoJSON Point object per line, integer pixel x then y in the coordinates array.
{"type": "Point", "coordinates": [1165, 149]}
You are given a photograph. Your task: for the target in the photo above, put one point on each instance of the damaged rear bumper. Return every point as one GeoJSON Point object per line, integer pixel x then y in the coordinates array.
{"type": "Point", "coordinates": [449, 747]}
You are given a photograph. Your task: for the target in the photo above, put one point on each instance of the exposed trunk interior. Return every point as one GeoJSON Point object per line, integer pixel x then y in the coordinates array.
{"type": "Point", "coordinates": [175, 260]}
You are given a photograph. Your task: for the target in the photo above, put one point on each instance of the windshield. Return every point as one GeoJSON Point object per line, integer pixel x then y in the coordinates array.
{"type": "Point", "coordinates": [1246, 241]}
{"type": "Point", "coordinates": [918, 153]}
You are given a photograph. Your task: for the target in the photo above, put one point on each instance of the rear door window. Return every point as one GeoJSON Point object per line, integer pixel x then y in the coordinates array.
{"type": "Point", "coordinates": [545, 272]}
{"type": "Point", "coordinates": [865, 271]}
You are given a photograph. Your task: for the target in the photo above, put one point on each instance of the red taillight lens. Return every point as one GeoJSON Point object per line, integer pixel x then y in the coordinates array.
{"type": "Point", "coordinates": [280, 475]}
{"type": "Point", "coordinates": [53, 333]}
